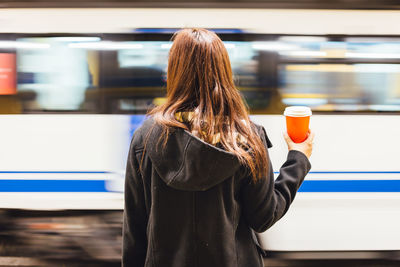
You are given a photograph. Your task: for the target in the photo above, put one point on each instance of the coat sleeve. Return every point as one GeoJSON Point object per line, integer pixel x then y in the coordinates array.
{"type": "Point", "coordinates": [267, 200]}
{"type": "Point", "coordinates": [135, 216]}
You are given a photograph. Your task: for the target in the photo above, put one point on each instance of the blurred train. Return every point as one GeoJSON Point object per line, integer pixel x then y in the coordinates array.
{"type": "Point", "coordinates": [76, 83]}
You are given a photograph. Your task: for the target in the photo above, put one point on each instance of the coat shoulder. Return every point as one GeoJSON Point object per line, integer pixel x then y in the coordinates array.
{"type": "Point", "coordinates": [144, 133]}
{"type": "Point", "coordinates": [262, 133]}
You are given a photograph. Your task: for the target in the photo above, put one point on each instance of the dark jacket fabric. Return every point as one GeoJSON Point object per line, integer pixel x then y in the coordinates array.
{"type": "Point", "coordinates": [191, 204]}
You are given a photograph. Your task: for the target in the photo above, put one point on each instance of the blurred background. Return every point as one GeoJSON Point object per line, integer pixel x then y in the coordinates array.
{"type": "Point", "coordinates": [77, 78]}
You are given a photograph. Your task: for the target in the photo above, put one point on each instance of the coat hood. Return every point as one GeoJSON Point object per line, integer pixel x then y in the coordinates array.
{"type": "Point", "coordinates": [188, 163]}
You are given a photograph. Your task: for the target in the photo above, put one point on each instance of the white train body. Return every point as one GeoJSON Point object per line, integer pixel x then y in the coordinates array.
{"type": "Point", "coordinates": [354, 201]}
{"type": "Point", "coordinates": [350, 201]}
{"type": "Point", "coordinates": [326, 217]}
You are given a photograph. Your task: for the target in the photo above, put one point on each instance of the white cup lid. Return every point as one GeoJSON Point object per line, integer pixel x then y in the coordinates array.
{"type": "Point", "coordinates": [297, 111]}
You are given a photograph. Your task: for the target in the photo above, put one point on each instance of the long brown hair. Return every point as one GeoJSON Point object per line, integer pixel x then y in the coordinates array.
{"type": "Point", "coordinates": [199, 79]}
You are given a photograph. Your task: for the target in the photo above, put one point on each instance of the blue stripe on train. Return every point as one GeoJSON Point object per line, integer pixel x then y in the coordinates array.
{"type": "Point", "coordinates": [308, 186]}
{"type": "Point", "coordinates": [352, 172]}
{"type": "Point", "coordinates": [53, 186]}
{"type": "Point", "coordinates": [364, 186]}
{"type": "Point", "coordinates": [57, 172]}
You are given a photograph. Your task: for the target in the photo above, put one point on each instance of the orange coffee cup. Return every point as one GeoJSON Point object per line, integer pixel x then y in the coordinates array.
{"type": "Point", "coordinates": [297, 122]}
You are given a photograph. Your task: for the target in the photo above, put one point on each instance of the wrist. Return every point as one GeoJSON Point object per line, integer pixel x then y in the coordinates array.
{"type": "Point", "coordinates": [301, 151]}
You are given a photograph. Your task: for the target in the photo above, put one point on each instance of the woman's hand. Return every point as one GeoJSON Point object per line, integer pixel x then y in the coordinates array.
{"type": "Point", "coordinates": [306, 147]}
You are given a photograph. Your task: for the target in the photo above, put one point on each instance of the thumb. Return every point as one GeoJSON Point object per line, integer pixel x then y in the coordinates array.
{"type": "Point", "coordinates": [310, 137]}
{"type": "Point", "coordinates": [288, 140]}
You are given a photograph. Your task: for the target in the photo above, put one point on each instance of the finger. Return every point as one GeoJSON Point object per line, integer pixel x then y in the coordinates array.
{"type": "Point", "coordinates": [287, 138]}
{"type": "Point", "coordinates": [311, 136]}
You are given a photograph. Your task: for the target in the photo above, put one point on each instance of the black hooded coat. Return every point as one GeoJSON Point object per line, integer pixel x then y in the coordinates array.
{"type": "Point", "coordinates": [191, 204]}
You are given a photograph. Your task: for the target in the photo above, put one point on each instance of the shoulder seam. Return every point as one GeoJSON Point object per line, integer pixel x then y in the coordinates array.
{"type": "Point", "coordinates": [183, 162]}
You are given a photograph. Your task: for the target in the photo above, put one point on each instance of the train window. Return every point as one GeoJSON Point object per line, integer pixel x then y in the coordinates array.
{"type": "Point", "coordinates": [94, 75]}
{"type": "Point", "coordinates": [355, 87]}
{"type": "Point", "coordinates": [90, 75]}
{"type": "Point", "coordinates": [355, 74]}
{"type": "Point", "coordinates": [51, 75]}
